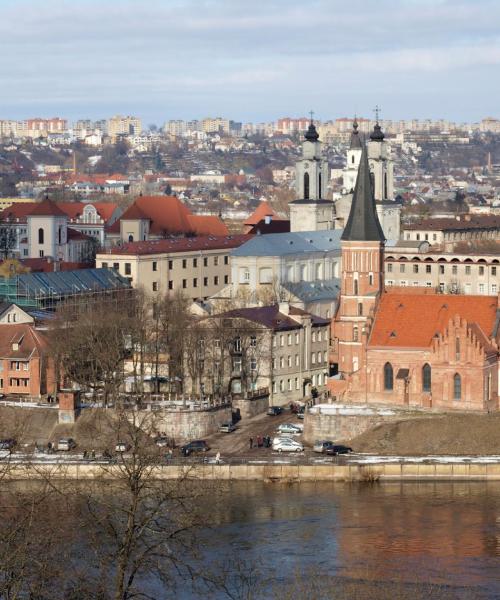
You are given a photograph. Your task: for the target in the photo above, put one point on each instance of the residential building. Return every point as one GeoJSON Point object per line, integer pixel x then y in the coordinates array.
{"type": "Point", "coordinates": [279, 347]}
{"type": "Point", "coordinates": [198, 267]}
{"type": "Point", "coordinates": [119, 125]}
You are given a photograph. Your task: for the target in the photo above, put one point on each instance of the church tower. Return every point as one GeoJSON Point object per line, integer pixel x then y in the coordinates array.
{"type": "Point", "coordinates": [381, 165]}
{"type": "Point", "coordinates": [362, 282]}
{"type": "Point", "coordinates": [353, 157]}
{"type": "Point", "coordinates": [311, 212]}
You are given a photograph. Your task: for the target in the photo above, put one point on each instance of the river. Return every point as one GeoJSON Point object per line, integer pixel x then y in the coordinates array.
{"type": "Point", "coordinates": [441, 537]}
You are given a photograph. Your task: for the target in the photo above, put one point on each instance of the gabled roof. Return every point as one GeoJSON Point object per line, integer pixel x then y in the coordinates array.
{"type": "Point", "coordinates": [18, 211]}
{"type": "Point", "coordinates": [74, 210]}
{"type": "Point", "coordinates": [261, 212]}
{"type": "Point", "coordinates": [363, 223]}
{"type": "Point", "coordinates": [207, 225]}
{"type": "Point", "coordinates": [46, 208]}
{"type": "Point", "coordinates": [282, 244]}
{"type": "Point", "coordinates": [31, 342]}
{"type": "Point", "coordinates": [271, 317]}
{"type": "Point", "coordinates": [411, 320]}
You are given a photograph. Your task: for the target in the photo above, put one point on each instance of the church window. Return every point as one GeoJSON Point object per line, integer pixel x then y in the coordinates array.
{"type": "Point", "coordinates": [385, 185]}
{"type": "Point", "coordinates": [41, 235]}
{"type": "Point", "coordinates": [457, 349]}
{"type": "Point", "coordinates": [356, 290]}
{"type": "Point", "coordinates": [355, 334]}
{"type": "Point", "coordinates": [415, 268]}
{"type": "Point", "coordinates": [457, 387]}
{"type": "Point", "coordinates": [388, 377]}
{"type": "Point", "coordinates": [426, 378]}
{"type": "Point", "coordinates": [319, 183]}
{"type": "Point", "coordinates": [353, 159]}
{"type": "Point", "coordinates": [360, 309]}
{"type": "Point", "coordinates": [59, 235]}
{"type": "Point", "coordinates": [306, 186]}
{"type": "Point", "coordinates": [370, 278]}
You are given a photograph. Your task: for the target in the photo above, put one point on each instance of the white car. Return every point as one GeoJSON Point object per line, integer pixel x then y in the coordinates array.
{"type": "Point", "coordinates": [287, 445]}
{"type": "Point", "coordinates": [290, 428]}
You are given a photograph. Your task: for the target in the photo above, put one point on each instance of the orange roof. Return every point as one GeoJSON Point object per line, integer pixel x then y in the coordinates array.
{"type": "Point", "coordinates": [18, 210]}
{"type": "Point", "coordinates": [169, 215]}
{"type": "Point", "coordinates": [263, 210]}
{"type": "Point", "coordinates": [74, 209]}
{"type": "Point", "coordinates": [46, 208]}
{"type": "Point", "coordinates": [412, 320]}
{"type": "Point", "coordinates": [31, 342]}
{"type": "Point", "coordinates": [179, 244]}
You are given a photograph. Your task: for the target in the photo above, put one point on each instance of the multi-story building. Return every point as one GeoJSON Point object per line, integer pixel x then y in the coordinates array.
{"type": "Point", "coordinates": [279, 347]}
{"type": "Point", "coordinates": [215, 125]}
{"type": "Point", "coordinates": [198, 267]}
{"type": "Point", "coordinates": [42, 127]}
{"type": "Point", "coordinates": [119, 125]}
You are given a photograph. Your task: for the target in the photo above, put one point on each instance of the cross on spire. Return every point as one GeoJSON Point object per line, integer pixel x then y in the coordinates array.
{"type": "Point", "coordinates": [376, 110]}
{"type": "Point", "coordinates": [311, 113]}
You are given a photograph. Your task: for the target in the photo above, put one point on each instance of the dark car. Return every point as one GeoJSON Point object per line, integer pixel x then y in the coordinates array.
{"type": "Point", "coordinates": [274, 411]}
{"type": "Point", "coordinates": [195, 446]}
{"type": "Point", "coordinates": [7, 444]}
{"type": "Point", "coordinates": [333, 450]}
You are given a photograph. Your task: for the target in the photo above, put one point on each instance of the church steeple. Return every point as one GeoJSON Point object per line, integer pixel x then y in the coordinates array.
{"type": "Point", "coordinates": [363, 223]}
{"type": "Point", "coordinates": [355, 141]}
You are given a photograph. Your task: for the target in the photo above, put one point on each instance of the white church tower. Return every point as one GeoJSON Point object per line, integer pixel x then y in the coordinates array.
{"type": "Point", "coordinates": [350, 173]}
{"type": "Point", "coordinates": [311, 212]}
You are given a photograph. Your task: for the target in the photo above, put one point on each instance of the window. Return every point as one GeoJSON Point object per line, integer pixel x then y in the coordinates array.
{"type": "Point", "coordinates": [457, 387]}
{"type": "Point", "coordinates": [313, 358]}
{"type": "Point", "coordinates": [426, 378]}
{"type": "Point", "coordinates": [216, 261]}
{"type": "Point", "coordinates": [41, 254]}
{"type": "Point", "coordinates": [128, 269]}
{"type": "Point", "coordinates": [273, 362]}
{"type": "Point", "coordinates": [205, 281]}
{"type": "Point", "coordinates": [426, 237]}
{"type": "Point", "coordinates": [402, 268]}
{"type": "Point", "coordinates": [370, 278]}
{"type": "Point", "coordinates": [289, 339]}
{"type": "Point", "coordinates": [297, 385]}
{"type": "Point", "coordinates": [282, 340]}
{"type": "Point", "coordinates": [356, 289]}
{"type": "Point", "coordinates": [289, 360]}
{"type": "Point", "coordinates": [282, 385]}
{"type": "Point", "coordinates": [195, 262]}
{"type": "Point", "coordinates": [428, 283]}
{"type": "Point", "coordinates": [388, 377]}
{"type": "Point", "coordinates": [282, 362]}
{"type": "Point", "coordinates": [297, 359]}
{"type": "Point", "coordinates": [184, 283]}
{"type": "Point", "coordinates": [434, 237]}
{"type": "Point", "coordinates": [297, 338]}
{"type": "Point", "coordinates": [481, 288]}
{"type": "Point", "coordinates": [319, 335]}
{"type": "Point", "coordinates": [428, 268]}
{"type": "Point", "coordinates": [195, 282]}
{"type": "Point", "coordinates": [237, 344]}
{"type": "Point", "coordinates": [170, 285]}
{"type": "Point", "coordinates": [155, 266]}
{"type": "Point", "coordinates": [481, 270]}
{"type": "Point", "coordinates": [130, 238]}
{"type": "Point", "coordinates": [467, 269]}
{"type": "Point", "coordinates": [226, 260]}
{"type": "Point", "coordinates": [306, 186]}
{"type": "Point", "coordinates": [274, 387]}
{"type": "Point", "coordinates": [360, 309]}
{"type": "Point", "coordinates": [217, 343]}
{"type": "Point", "coordinates": [205, 262]}
{"type": "Point", "coordinates": [493, 271]}
{"type": "Point", "coordinates": [457, 348]}
{"type": "Point", "coordinates": [289, 384]}
{"type": "Point", "coordinates": [155, 286]}
{"type": "Point", "coordinates": [253, 341]}
{"type": "Point", "coordinates": [236, 364]}
{"type": "Point", "coordinates": [418, 236]}
{"type": "Point", "coordinates": [253, 364]}
{"type": "Point", "coordinates": [454, 269]}
{"type": "Point", "coordinates": [275, 342]}
{"type": "Point", "coordinates": [494, 288]}
{"type": "Point", "coordinates": [313, 336]}
{"type": "Point", "coordinates": [355, 334]}
{"type": "Point", "coordinates": [226, 279]}
{"type": "Point", "coordinates": [216, 280]}
{"type": "Point", "coordinates": [441, 269]}
{"type": "Point", "coordinates": [41, 236]}
{"type": "Point", "coordinates": [415, 268]}
{"type": "Point", "coordinates": [170, 264]}
{"type": "Point", "coordinates": [184, 263]}
{"type": "Point", "coordinates": [319, 357]}
{"type": "Point", "coordinates": [389, 267]}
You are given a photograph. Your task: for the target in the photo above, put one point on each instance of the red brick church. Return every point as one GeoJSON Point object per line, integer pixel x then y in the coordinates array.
{"type": "Point", "coordinates": [407, 346]}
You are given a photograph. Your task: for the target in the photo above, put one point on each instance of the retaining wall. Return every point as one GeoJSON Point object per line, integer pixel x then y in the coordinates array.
{"type": "Point", "coordinates": [278, 473]}
{"type": "Point", "coordinates": [191, 425]}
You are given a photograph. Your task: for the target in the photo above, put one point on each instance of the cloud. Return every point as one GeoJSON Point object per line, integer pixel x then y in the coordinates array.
{"type": "Point", "coordinates": [246, 59]}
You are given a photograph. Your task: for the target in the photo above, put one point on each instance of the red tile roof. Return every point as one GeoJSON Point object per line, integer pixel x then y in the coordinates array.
{"type": "Point", "coordinates": [18, 211]}
{"type": "Point", "coordinates": [75, 209]}
{"type": "Point", "coordinates": [181, 244]}
{"type": "Point", "coordinates": [411, 320]}
{"type": "Point", "coordinates": [46, 208]}
{"type": "Point", "coordinates": [263, 210]}
{"type": "Point", "coordinates": [207, 225]}
{"type": "Point", "coordinates": [31, 342]}
{"type": "Point", "coordinates": [460, 223]}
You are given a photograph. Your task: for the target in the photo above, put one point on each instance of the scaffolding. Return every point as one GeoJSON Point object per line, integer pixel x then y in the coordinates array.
{"type": "Point", "coordinates": [47, 290]}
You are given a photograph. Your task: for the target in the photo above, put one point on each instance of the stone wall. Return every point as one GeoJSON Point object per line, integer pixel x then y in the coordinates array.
{"type": "Point", "coordinates": [186, 425]}
{"type": "Point", "coordinates": [342, 422]}
{"type": "Point", "coordinates": [251, 407]}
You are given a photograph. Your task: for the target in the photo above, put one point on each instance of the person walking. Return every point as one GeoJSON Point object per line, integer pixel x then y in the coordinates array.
{"type": "Point", "coordinates": [251, 443]}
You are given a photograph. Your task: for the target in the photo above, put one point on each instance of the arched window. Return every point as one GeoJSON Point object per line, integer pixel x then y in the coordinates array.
{"type": "Point", "coordinates": [319, 183]}
{"type": "Point", "coordinates": [306, 186]}
{"type": "Point", "coordinates": [457, 348]}
{"type": "Point", "coordinates": [355, 334]}
{"type": "Point", "coordinates": [360, 309]}
{"type": "Point", "coordinates": [370, 278]}
{"type": "Point", "coordinates": [356, 288]}
{"type": "Point", "coordinates": [426, 378]}
{"type": "Point", "coordinates": [59, 235]}
{"type": "Point", "coordinates": [130, 238]}
{"type": "Point", "coordinates": [457, 387]}
{"type": "Point", "coordinates": [40, 235]}
{"type": "Point", "coordinates": [388, 377]}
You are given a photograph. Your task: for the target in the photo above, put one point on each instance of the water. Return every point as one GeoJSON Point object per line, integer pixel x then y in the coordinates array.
{"type": "Point", "coordinates": [412, 533]}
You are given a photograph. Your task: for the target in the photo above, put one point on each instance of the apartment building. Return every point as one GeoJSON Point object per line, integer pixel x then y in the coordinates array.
{"type": "Point", "coordinates": [199, 267]}
{"type": "Point", "coordinates": [119, 125]}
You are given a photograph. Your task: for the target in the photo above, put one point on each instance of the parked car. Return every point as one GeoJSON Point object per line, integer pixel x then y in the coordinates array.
{"type": "Point", "coordinates": [122, 447]}
{"type": "Point", "coordinates": [333, 450]}
{"type": "Point", "coordinates": [161, 441]}
{"type": "Point", "coordinates": [7, 444]}
{"type": "Point", "coordinates": [290, 428]}
{"type": "Point", "coordinates": [227, 427]}
{"type": "Point", "coordinates": [194, 447]}
{"type": "Point", "coordinates": [66, 444]}
{"type": "Point", "coordinates": [321, 445]}
{"type": "Point", "coordinates": [287, 445]}
{"type": "Point", "coordinates": [300, 415]}
{"type": "Point", "coordinates": [273, 411]}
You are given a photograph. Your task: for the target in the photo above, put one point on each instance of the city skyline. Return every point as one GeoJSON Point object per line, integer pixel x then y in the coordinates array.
{"type": "Point", "coordinates": [428, 59]}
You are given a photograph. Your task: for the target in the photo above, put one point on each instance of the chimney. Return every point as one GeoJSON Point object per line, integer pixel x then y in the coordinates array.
{"type": "Point", "coordinates": [284, 308]}
{"type": "Point", "coordinates": [268, 219]}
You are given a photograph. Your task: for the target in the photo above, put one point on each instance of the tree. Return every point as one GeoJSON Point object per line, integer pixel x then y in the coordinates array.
{"type": "Point", "coordinates": [8, 240]}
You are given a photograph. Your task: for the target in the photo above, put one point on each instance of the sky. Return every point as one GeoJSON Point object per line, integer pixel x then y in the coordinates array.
{"type": "Point", "coordinates": [249, 60]}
